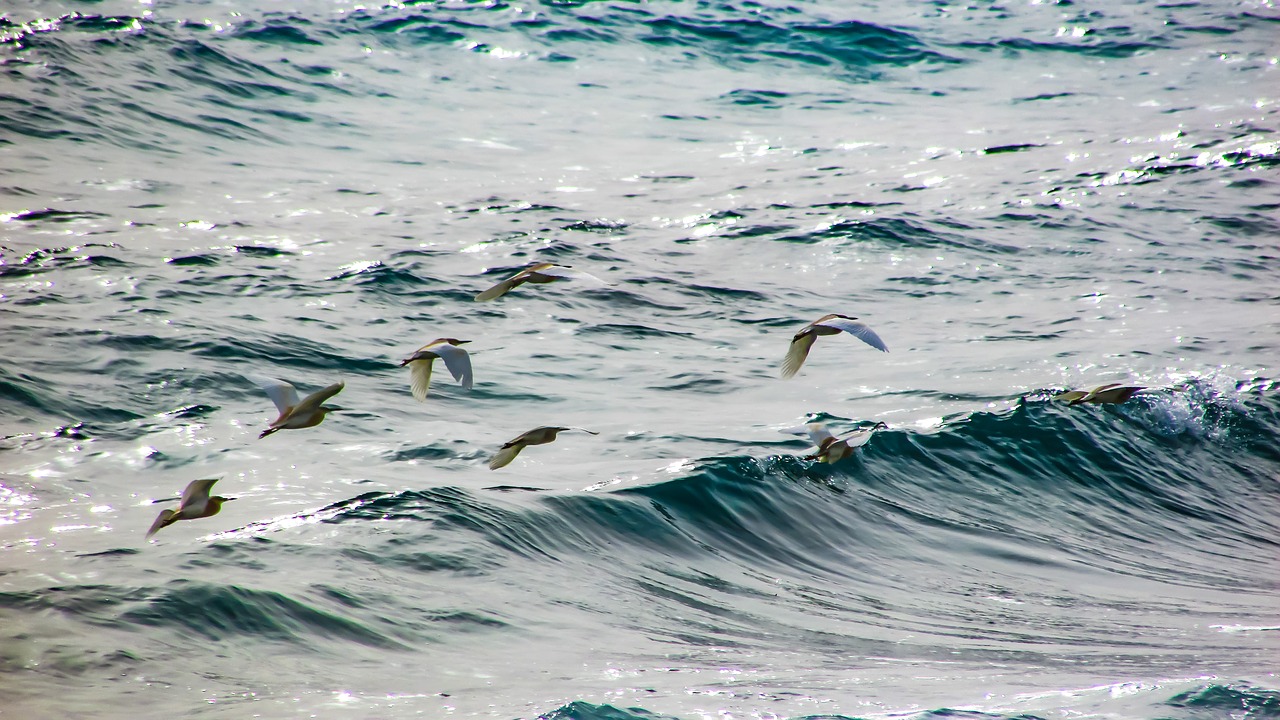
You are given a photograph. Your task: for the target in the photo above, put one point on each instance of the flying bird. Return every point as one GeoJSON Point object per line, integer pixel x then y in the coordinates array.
{"type": "Point", "coordinates": [830, 448]}
{"type": "Point", "coordinates": [536, 272]}
{"type": "Point", "coordinates": [295, 414]}
{"type": "Point", "coordinates": [455, 358]}
{"type": "Point", "coordinates": [1113, 393]}
{"type": "Point", "coordinates": [195, 503]}
{"type": "Point", "coordinates": [536, 436]}
{"type": "Point", "coordinates": [826, 325]}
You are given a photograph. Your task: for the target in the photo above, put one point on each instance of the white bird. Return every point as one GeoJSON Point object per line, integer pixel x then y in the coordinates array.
{"type": "Point", "coordinates": [1113, 393]}
{"type": "Point", "coordinates": [455, 358]}
{"type": "Point", "coordinates": [195, 503]}
{"type": "Point", "coordinates": [830, 448]}
{"type": "Point", "coordinates": [294, 413]}
{"type": "Point", "coordinates": [536, 436]}
{"type": "Point", "coordinates": [536, 272]}
{"type": "Point", "coordinates": [826, 325]}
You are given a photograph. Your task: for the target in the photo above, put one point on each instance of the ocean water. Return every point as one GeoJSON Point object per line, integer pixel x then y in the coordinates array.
{"type": "Point", "coordinates": [1019, 198]}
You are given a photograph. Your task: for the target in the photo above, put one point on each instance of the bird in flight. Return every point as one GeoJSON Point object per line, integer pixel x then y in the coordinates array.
{"type": "Point", "coordinates": [457, 360]}
{"type": "Point", "coordinates": [826, 325]}
{"type": "Point", "coordinates": [537, 272]}
{"type": "Point", "coordinates": [536, 436]}
{"type": "Point", "coordinates": [1112, 393]}
{"type": "Point", "coordinates": [294, 413]}
{"type": "Point", "coordinates": [195, 503]}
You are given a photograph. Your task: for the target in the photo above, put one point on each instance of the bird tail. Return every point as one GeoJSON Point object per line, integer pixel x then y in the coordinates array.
{"type": "Point", "coordinates": [267, 432]}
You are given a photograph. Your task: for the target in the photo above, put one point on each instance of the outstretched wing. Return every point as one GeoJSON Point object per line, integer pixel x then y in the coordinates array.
{"type": "Point", "coordinates": [281, 393]}
{"type": "Point", "coordinates": [796, 354]}
{"type": "Point", "coordinates": [197, 489]}
{"type": "Point", "coordinates": [856, 329]}
{"type": "Point", "coordinates": [420, 378]}
{"type": "Point", "coordinates": [313, 401]}
{"type": "Point", "coordinates": [163, 520]}
{"type": "Point", "coordinates": [502, 288]}
{"type": "Point", "coordinates": [505, 455]}
{"type": "Point", "coordinates": [1070, 395]}
{"type": "Point", "coordinates": [567, 273]}
{"type": "Point", "coordinates": [819, 434]}
{"type": "Point", "coordinates": [457, 360]}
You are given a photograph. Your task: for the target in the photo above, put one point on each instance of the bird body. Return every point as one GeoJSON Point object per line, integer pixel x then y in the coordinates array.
{"type": "Point", "coordinates": [538, 273]}
{"type": "Point", "coordinates": [832, 449]}
{"type": "Point", "coordinates": [294, 413]}
{"type": "Point", "coordinates": [195, 503]}
{"type": "Point", "coordinates": [457, 360]}
{"type": "Point", "coordinates": [1111, 393]}
{"type": "Point", "coordinates": [536, 436]}
{"type": "Point", "coordinates": [826, 325]}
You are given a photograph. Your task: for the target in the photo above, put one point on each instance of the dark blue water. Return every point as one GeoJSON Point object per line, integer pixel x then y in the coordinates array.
{"type": "Point", "coordinates": [1019, 199]}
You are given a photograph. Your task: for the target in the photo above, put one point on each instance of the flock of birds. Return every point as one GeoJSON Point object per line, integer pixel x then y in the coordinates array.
{"type": "Point", "coordinates": [297, 413]}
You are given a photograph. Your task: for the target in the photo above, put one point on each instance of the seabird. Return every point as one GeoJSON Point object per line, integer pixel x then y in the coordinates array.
{"type": "Point", "coordinates": [295, 414]}
{"type": "Point", "coordinates": [536, 272]}
{"type": "Point", "coordinates": [1113, 393]}
{"type": "Point", "coordinates": [455, 358]}
{"type": "Point", "coordinates": [826, 325]}
{"type": "Point", "coordinates": [536, 436]}
{"type": "Point", "coordinates": [195, 503]}
{"type": "Point", "coordinates": [830, 448]}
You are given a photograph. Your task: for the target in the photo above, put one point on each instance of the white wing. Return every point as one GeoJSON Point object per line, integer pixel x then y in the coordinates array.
{"type": "Point", "coordinates": [796, 354]}
{"type": "Point", "coordinates": [457, 360]}
{"type": "Point", "coordinates": [858, 330]}
{"type": "Point", "coordinates": [281, 393]}
{"type": "Point", "coordinates": [857, 438]}
{"type": "Point", "coordinates": [505, 456]}
{"type": "Point", "coordinates": [568, 273]}
{"type": "Point", "coordinates": [420, 378]}
{"type": "Point", "coordinates": [818, 433]}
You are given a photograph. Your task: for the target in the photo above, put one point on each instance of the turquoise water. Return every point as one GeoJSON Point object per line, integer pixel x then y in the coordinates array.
{"type": "Point", "coordinates": [1019, 199]}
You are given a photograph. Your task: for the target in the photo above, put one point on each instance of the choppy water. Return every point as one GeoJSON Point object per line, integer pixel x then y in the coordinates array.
{"type": "Point", "coordinates": [1019, 198]}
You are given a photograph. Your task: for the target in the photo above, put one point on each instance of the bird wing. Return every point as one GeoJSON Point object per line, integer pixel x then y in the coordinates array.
{"type": "Point", "coordinates": [856, 329]}
{"type": "Point", "coordinates": [566, 273]}
{"type": "Point", "coordinates": [504, 456]}
{"type": "Point", "coordinates": [819, 434]}
{"type": "Point", "coordinates": [312, 402]}
{"type": "Point", "coordinates": [457, 360]}
{"type": "Point", "coordinates": [163, 520]}
{"type": "Point", "coordinates": [420, 378]}
{"type": "Point", "coordinates": [197, 492]}
{"type": "Point", "coordinates": [281, 393]}
{"type": "Point", "coordinates": [796, 354]}
{"type": "Point", "coordinates": [857, 438]}
{"type": "Point", "coordinates": [1070, 395]}
{"type": "Point", "coordinates": [504, 287]}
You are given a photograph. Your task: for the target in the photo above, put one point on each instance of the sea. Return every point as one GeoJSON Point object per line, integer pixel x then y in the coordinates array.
{"type": "Point", "coordinates": [1019, 197]}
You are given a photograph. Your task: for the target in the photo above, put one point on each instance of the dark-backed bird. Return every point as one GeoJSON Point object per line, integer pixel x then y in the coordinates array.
{"type": "Point", "coordinates": [830, 448]}
{"type": "Point", "coordinates": [537, 272]}
{"type": "Point", "coordinates": [826, 325]}
{"type": "Point", "coordinates": [195, 503]}
{"type": "Point", "coordinates": [536, 436]}
{"type": "Point", "coordinates": [455, 358]}
{"type": "Point", "coordinates": [1113, 393]}
{"type": "Point", "coordinates": [295, 413]}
